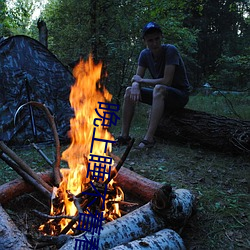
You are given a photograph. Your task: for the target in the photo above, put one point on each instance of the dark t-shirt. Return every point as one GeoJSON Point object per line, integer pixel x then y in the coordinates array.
{"type": "Point", "coordinates": [171, 56]}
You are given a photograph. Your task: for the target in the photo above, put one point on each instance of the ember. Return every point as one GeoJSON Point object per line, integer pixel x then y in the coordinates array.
{"type": "Point", "coordinates": [87, 187]}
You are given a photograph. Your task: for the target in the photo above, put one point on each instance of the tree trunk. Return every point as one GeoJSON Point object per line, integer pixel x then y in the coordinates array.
{"type": "Point", "coordinates": [212, 131]}
{"type": "Point", "coordinates": [161, 240]}
{"type": "Point", "coordinates": [10, 237]}
{"type": "Point", "coordinates": [43, 32]}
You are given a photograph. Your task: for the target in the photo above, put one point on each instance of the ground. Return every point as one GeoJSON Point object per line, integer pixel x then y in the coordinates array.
{"type": "Point", "coordinates": [220, 182]}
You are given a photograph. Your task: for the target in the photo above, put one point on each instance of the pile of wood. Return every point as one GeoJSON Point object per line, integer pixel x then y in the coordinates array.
{"type": "Point", "coordinates": [158, 222]}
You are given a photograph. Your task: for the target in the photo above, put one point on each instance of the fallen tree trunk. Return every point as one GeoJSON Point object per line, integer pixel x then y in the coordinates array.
{"type": "Point", "coordinates": [161, 240]}
{"type": "Point", "coordinates": [131, 182]}
{"type": "Point", "coordinates": [150, 218]}
{"type": "Point", "coordinates": [212, 131]}
{"type": "Point", "coordinates": [10, 237]}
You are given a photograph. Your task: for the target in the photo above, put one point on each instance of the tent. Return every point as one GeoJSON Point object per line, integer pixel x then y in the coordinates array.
{"type": "Point", "coordinates": [30, 72]}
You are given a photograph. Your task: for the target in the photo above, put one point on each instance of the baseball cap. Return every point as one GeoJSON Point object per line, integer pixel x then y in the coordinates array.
{"type": "Point", "coordinates": [150, 26]}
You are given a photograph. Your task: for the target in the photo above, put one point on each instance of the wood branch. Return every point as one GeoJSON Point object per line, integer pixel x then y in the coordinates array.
{"type": "Point", "coordinates": [11, 154]}
{"type": "Point", "coordinates": [45, 241]}
{"type": "Point", "coordinates": [212, 131]}
{"type": "Point", "coordinates": [51, 217]}
{"type": "Point", "coordinates": [163, 239]}
{"type": "Point", "coordinates": [121, 161]}
{"type": "Point", "coordinates": [26, 176]}
{"type": "Point", "coordinates": [57, 174]}
{"type": "Point", "coordinates": [145, 220]}
{"type": "Point", "coordinates": [10, 237]}
{"type": "Point", "coordinates": [17, 187]}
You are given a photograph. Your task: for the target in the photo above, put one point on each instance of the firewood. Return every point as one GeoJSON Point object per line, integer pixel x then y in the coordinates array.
{"type": "Point", "coordinates": [10, 237]}
{"type": "Point", "coordinates": [17, 187]}
{"type": "Point", "coordinates": [138, 223]}
{"type": "Point", "coordinates": [26, 176]}
{"type": "Point", "coordinates": [121, 161]}
{"type": "Point", "coordinates": [161, 240]}
{"type": "Point", "coordinates": [208, 130]}
{"type": "Point", "coordinates": [13, 156]}
{"type": "Point", "coordinates": [144, 221]}
{"type": "Point", "coordinates": [136, 185]}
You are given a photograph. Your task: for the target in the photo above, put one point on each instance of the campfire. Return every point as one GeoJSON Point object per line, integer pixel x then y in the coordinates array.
{"type": "Point", "coordinates": [88, 156]}
{"type": "Point", "coordinates": [91, 190]}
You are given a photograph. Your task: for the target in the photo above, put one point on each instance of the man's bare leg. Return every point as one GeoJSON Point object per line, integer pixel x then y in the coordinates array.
{"type": "Point", "coordinates": [128, 110]}
{"type": "Point", "coordinates": [156, 113]}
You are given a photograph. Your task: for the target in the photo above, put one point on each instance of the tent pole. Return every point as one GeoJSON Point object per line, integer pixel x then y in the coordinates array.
{"type": "Point", "coordinates": [33, 125]}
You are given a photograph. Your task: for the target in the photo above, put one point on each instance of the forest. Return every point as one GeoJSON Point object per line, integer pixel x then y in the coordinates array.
{"type": "Point", "coordinates": [212, 36]}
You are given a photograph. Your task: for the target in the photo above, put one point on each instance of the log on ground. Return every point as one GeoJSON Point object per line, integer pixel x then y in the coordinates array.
{"type": "Point", "coordinates": [150, 218]}
{"type": "Point", "coordinates": [10, 237]}
{"type": "Point", "coordinates": [131, 182]}
{"type": "Point", "coordinates": [212, 131]}
{"type": "Point", "coordinates": [139, 223]}
{"type": "Point", "coordinates": [140, 187]}
{"type": "Point", "coordinates": [18, 187]}
{"type": "Point", "coordinates": [161, 240]}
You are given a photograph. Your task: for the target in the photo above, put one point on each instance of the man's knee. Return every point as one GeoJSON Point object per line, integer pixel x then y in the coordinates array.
{"type": "Point", "coordinates": [127, 92]}
{"type": "Point", "coordinates": [159, 90]}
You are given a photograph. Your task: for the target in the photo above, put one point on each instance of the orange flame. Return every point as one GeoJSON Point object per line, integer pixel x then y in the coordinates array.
{"type": "Point", "coordinates": [84, 97]}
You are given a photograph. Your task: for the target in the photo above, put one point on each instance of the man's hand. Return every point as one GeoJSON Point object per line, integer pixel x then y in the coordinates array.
{"type": "Point", "coordinates": [135, 93]}
{"type": "Point", "coordinates": [136, 78]}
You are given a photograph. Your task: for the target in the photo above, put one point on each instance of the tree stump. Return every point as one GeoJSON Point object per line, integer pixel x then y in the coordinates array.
{"type": "Point", "coordinates": [212, 131]}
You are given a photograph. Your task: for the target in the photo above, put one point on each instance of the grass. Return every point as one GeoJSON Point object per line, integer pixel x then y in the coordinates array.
{"type": "Point", "coordinates": [220, 181]}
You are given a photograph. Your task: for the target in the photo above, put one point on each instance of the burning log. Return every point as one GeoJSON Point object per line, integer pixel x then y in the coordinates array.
{"type": "Point", "coordinates": [216, 132]}
{"type": "Point", "coordinates": [10, 237]}
{"type": "Point", "coordinates": [165, 210]}
{"type": "Point", "coordinates": [163, 239]}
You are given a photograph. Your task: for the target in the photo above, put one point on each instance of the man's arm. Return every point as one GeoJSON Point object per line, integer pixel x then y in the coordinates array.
{"type": "Point", "coordinates": [135, 93]}
{"type": "Point", "coordinates": [166, 80]}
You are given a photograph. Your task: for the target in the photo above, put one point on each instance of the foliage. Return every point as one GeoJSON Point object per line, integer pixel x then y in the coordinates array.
{"type": "Point", "coordinates": [4, 19]}
{"type": "Point", "coordinates": [232, 72]}
{"type": "Point", "coordinates": [223, 30]}
{"type": "Point", "coordinates": [212, 36]}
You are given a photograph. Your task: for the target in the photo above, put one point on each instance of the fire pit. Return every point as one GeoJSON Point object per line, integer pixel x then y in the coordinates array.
{"type": "Point", "coordinates": [159, 210]}
{"type": "Point", "coordinates": [85, 199]}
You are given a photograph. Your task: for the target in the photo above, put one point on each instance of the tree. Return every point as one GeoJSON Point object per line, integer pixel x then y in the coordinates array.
{"type": "Point", "coordinates": [4, 20]}
{"type": "Point", "coordinates": [223, 32]}
{"type": "Point", "coordinates": [111, 30]}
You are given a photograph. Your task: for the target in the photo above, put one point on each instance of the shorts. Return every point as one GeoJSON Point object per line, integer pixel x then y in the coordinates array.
{"type": "Point", "coordinates": [174, 100]}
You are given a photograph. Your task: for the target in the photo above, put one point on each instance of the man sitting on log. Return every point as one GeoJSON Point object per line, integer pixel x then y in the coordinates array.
{"type": "Point", "coordinates": [168, 89]}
